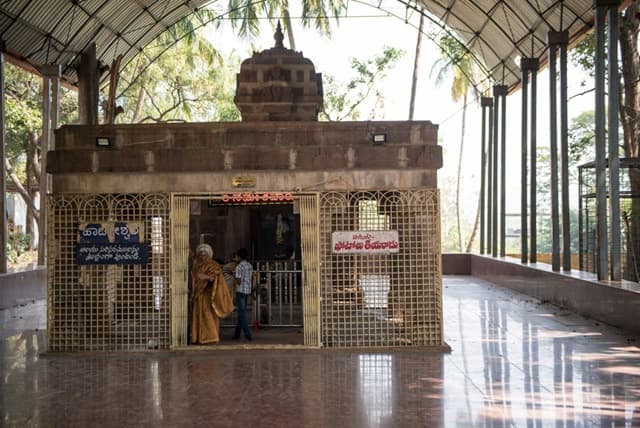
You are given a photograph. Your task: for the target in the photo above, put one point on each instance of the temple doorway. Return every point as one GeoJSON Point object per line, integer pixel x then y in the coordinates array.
{"type": "Point", "coordinates": [268, 227]}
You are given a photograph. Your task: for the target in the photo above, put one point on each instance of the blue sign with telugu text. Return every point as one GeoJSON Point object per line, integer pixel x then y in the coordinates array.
{"type": "Point", "coordinates": [112, 253]}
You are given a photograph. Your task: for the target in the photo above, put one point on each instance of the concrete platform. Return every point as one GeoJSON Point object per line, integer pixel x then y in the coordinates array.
{"type": "Point", "coordinates": [515, 362]}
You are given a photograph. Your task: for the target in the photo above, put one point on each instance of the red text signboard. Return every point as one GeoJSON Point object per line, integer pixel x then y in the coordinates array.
{"type": "Point", "coordinates": [256, 197]}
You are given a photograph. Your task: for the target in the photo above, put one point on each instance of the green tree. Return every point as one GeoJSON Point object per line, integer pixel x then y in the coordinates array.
{"type": "Point", "coordinates": [245, 15]}
{"type": "Point", "coordinates": [23, 97]}
{"type": "Point", "coordinates": [343, 100]}
{"type": "Point", "coordinates": [156, 86]}
{"type": "Point", "coordinates": [178, 77]}
{"type": "Point", "coordinates": [582, 134]}
{"type": "Point", "coordinates": [457, 63]}
{"type": "Point", "coordinates": [544, 188]}
{"type": "Point", "coordinates": [581, 150]}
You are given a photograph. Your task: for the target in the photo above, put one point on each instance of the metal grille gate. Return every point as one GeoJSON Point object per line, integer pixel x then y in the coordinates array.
{"type": "Point", "coordinates": [278, 285]}
{"type": "Point", "coordinates": [107, 307]}
{"type": "Point", "coordinates": [381, 300]}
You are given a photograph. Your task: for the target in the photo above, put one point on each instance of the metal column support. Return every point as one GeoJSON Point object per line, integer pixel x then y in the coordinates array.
{"type": "Point", "coordinates": [490, 194]}
{"type": "Point", "coordinates": [581, 234]}
{"type": "Point", "coordinates": [601, 161]}
{"type": "Point", "coordinates": [482, 170]}
{"type": "Point", "coordinates": [563, 41]}
{"type": "Point", "coordinates": [614, 155]}
{"type": "Point", "coordinates": [50, 73]}
{"type": "Point", "coordinates": [523, 164]}
{"type": "Point", "coordinates": [486, 104]}
{"type": "Point", "coordinates": [4, 231]}
{"type": "Point", "coordinates": [553, 42]}
{"type": "Point", "coordinates": [502, 91]}
{"type": "Point", "coordinates": [529, 67]}
{"type": "Point", "coordinates": [494, 184]}
{"type": "Point", "coordinates": [533, 154]}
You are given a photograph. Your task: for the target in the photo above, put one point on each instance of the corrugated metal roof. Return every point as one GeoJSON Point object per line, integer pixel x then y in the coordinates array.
{"type": "Point", "coordinates": [497, 31]}
{"type": "Point", "coordinates": [57, 31]}
{"type": "Point", "coordinates": [501, 32]}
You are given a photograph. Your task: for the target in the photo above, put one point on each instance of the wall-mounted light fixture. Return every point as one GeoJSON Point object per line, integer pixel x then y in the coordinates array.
{"type": "Point", "coordinates": [103, 142]}
{"type": "Point", "coordinates": [379, 138]}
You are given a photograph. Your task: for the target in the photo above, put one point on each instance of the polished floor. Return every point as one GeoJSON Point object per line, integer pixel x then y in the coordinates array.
{"type": "Point", "coordinates": [515, 362]}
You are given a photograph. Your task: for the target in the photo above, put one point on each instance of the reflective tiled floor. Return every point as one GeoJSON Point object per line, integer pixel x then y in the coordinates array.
{"type": "Point", "coordinates": [514, 362]}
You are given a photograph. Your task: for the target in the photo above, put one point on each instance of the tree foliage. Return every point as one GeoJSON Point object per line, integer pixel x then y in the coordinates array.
{"type": "Point", "coordinates": [245, 15]}
{"type": "Point", "coordinates": [183, 80]}
{"type": "Point", "coordinates": [23, 97]}
{"type": "Point", "coordinates": [24, 113]}
{"type": "Point", "coordinates": [343, 100]}
{"type": "Point", "coordinates": [457, 63]}
{"type": "Point", "coordinates": [582, 54]}
{"type": "Point", "coordinates": [23, 100]}
{"type": "Point", "coordinates": [582, 133]}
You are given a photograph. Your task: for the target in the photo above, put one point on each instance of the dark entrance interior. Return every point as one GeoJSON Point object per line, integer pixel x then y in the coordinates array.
{"type": "Point", "coordinates": [271, 234]}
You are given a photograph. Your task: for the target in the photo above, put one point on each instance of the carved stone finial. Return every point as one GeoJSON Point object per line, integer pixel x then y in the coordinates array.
{"type": "Point", "coordinates": [279, 36]}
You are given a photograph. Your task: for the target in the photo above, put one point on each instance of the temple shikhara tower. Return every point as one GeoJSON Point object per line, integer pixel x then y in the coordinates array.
{"type": "Point", "coordinates": [278, 84]}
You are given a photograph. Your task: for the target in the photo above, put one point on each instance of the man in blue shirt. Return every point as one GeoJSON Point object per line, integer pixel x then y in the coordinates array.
{"type": "Point", "coordinates": [244, 271]}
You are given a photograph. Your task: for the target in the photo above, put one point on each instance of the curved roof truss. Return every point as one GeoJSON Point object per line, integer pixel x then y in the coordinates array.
{"type": "Point", "coordinates": [496, 32]}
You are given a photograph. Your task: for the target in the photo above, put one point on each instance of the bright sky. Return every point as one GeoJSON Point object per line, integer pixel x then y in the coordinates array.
{"type": "Point", "coordinates": [363, 34]}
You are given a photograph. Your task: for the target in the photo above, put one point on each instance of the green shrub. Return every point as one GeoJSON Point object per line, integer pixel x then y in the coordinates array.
{"type": "Point", "coordinates": [17, 244]}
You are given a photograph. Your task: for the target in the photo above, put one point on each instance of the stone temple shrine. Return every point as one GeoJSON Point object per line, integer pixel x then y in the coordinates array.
{"type": "Point", "coordinates": [341, 220]}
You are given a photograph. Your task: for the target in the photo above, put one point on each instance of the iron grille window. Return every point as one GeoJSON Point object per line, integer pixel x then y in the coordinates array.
{"type": "Point", "coordinates": [379, 300]}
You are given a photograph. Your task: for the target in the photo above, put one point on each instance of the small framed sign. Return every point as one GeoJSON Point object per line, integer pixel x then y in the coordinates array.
{"type": "Point", "coordinates": [243, 181]}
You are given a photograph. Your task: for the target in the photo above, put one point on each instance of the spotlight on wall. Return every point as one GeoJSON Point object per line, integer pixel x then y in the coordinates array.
{"type": "Point", "coordinates": [379, 138]}
{"type": "Point", "coordinates": [103, 142]}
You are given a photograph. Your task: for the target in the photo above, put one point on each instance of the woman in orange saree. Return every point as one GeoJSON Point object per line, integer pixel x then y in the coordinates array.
{"type": "Point", "coordinates": [211, 299]}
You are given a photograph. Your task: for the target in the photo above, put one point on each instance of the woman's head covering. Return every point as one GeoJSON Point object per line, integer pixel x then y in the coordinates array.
{"type": "Point", "coordinates": [204, 248]}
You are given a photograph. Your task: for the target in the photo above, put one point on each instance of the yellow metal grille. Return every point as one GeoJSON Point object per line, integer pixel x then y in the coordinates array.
{"type": "Point", "coordinates": [369, 300]}
{"type": "Point", "coordinates": [107, 307]}
{"type": "Point", "coordinates": [308, 205]}
{"type": "Point", "coordinates": [378, 300]}
{"type": "Point", "coordinates": [179, 273]}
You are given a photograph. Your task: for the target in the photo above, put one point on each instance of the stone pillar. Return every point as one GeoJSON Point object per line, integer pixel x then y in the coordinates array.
{"type": "Point", "coordinates": [88, 87]}
{"type": "Point", "coordinates": [50, 73]}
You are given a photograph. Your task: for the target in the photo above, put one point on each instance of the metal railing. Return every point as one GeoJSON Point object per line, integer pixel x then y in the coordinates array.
{"type": "Point", "coordinates": [277, 294]}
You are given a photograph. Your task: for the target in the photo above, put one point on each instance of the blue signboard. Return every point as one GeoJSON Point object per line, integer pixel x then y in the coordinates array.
{"type": "Point", "coordinates": [111, 242]}
{"type": "Point", "coordinates": [112, 254]}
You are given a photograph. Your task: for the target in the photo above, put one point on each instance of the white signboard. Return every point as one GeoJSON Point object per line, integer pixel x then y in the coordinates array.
{"type": "Point", "coordinates": [365, 242]}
